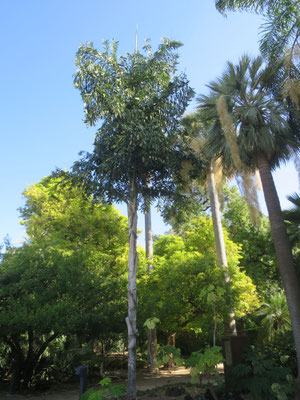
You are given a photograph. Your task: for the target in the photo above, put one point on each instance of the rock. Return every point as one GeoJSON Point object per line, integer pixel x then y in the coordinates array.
{"type": "Point", "coordinates": [174, 391]}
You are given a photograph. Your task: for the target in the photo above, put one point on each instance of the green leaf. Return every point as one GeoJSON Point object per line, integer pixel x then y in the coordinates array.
{"type": "Point", "coordinates": [151, 323]}
{"type": "Point", "coordinates": [105, 382]}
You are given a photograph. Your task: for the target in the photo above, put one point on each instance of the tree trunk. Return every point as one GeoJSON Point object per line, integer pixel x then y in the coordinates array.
{"type": "Point", "coordinates": [15, 382]}
{"type": "Point", "coordinates": [148, 233]}
{"type": "Point", "coordinates": [23, 368]}
{"type": "Point", "coordinates": [283, 253]}
{"type": "Point", "coordinates": [171, 341]}
{"type": "Point", "coordinates": [152, 337]}
{"type": "Point", "coordinates": [132, 296]}
{"type": "Point", "coordinates": [229, 328]}
{"type": "Point", "coordinates": [152, 350]}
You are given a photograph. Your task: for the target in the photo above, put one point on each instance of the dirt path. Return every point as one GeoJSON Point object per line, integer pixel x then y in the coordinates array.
{"type": "Point", "coordinates": [145, 381]}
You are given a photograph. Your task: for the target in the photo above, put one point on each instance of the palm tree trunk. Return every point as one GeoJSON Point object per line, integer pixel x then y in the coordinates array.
{"type": "Point", "coordinates": [148, 233]}
{"type": "Point", "coordinates": [230, 329]}
{"type": "Point", "coordinates": [152, 337]}
{"type": "Point", "coordinates": [283, 253]}
{"type": "Point", "coordinates": [132, 296]}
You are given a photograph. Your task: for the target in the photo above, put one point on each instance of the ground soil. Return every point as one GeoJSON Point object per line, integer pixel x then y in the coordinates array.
{"type": "Point", "coordinates": [145, 384]}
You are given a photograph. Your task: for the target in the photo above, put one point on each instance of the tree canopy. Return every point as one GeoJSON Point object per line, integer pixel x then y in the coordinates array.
{"type": "Point", "coordinates": [139, 100]}
{"type": "Point", "coordinates": [63, 281]}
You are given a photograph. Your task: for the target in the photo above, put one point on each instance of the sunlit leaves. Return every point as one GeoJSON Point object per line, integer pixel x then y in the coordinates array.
{"type": "Point", "coordinates": [186, 283]}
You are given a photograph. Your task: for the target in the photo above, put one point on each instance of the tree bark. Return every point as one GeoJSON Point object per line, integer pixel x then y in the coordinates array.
{"type": "Point", "coordinates": [152, 336]}
{"type": "Point", "coordinates": [283, 252]}
{"type": "Point", "coordinates": [152, 350]}
{"type": "Point", "coordinates": [148, 234]}
{"type": "Point", "coordinates": [132, 295]}
{"type": "Point", "coordinates": [24, 365]}
{"type": "Point", "coordinates": [229, 328]}
{"type": "Point", "coordinates": [171, 340]}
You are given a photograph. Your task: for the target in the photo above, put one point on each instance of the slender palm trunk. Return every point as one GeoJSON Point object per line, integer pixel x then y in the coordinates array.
{"type": "Point", "coordinates": [148, 234]}
{"type": "Point", "coordinates": [152, 337]}
{"type": "Point", "coordinates": [230, 329]}
{"type": "Point", "coordinates": [283, 253]}
{"type": "Point", "coordinates": [132, 296]}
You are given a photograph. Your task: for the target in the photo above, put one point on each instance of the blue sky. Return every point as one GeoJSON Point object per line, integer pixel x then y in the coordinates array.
{"type": "Point", "coordinates": [41, 124]}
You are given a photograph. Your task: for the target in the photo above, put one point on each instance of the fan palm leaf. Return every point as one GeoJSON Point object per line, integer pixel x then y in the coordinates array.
{"type": "Point", "coordinates": [274, 316]}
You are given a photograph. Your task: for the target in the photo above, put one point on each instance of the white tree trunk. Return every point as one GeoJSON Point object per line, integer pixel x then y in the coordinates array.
{"type": "Point", "coordinates": [148, 233]}
{"type": "Point", "coordinates": [230, 329]}
{"type": "Point", "coordinates": [132, 296]}
{"type": "Point", "coordinates": [152, 338]}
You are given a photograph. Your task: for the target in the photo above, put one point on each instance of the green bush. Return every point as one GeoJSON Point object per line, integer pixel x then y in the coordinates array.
{"type": "Point", "coordinates": [165, 352]}
{"type": "Point", "coordinates": [261, 378]}
{"type": "Point", "coordinates": [106, 390]}
{"type": "Point", "coordinates": [203, 363]}
{"type": "Point", "coordinates": [283, 347]}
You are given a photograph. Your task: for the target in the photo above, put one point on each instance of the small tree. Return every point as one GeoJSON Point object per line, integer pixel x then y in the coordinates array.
{"type": "Point", "coordinates": [140, 100]}
{"type": "Point", "coordinates": [189, 287]}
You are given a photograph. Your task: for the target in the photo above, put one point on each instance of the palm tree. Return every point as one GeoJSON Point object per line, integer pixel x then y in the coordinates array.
{"type": "Point", "coordinates": [249, 131]}
{"type": "Point", "coordinates": [274, 316]}
{"type": "Point", "coordinates": [152, 334]}
{"type": "Point", "coordinates": [279, 36]}
{"type": "Point", "coordinates": [230, 328]}
{"type": "Point", "coordinates": [194, 127]}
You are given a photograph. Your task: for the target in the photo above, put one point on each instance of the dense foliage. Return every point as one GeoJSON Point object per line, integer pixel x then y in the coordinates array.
{"type": "Point", "coordinates": [63, 294]}
{"type": "Point", "coordinates": [63, 280]}
{"type": "Point", "coordinates": [193, 297]}
{"type": "Point", "coordinates": [139, 100]}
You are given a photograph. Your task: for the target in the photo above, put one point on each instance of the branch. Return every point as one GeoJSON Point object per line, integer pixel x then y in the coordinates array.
{"type": "Point", "coordinates": [45, 345]}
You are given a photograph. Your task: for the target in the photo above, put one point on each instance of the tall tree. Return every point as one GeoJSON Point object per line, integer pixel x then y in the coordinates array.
{"type": "Point", "coordinates": [197, 133]}
{"type": "Point", "coordinates": [139, 99]}
{"type": "Point", "coordinates": [250, 130]}
{"type": "Point", "coordinates": [152, 335]}
{"type": "Point", "coordinates": [230, 328]}
{"type": "Point", "coordinates": [65, 279]}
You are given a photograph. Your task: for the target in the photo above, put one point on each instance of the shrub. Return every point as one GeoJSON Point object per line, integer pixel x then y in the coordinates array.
{"type": "Point", "coordinates": [262, 378]}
